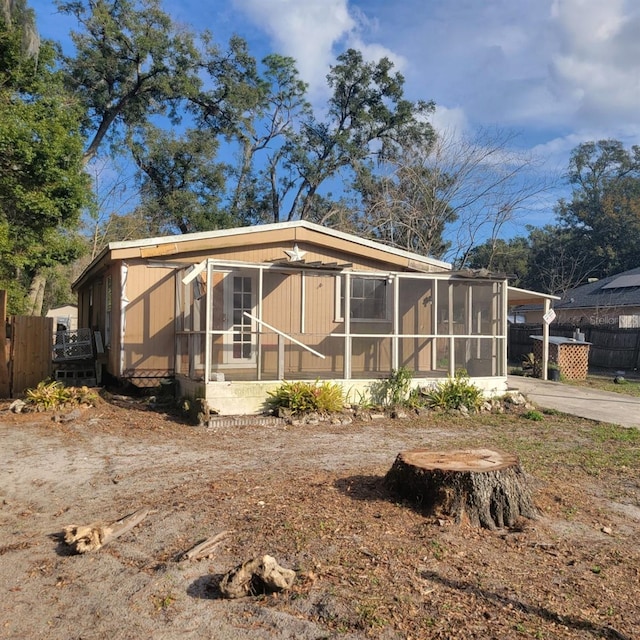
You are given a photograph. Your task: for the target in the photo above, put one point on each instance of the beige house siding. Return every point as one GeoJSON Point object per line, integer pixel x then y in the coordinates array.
{"type": "Point", "coordinates": [149, 316]}
{"type": "Point", "coordinates": [274, 252]}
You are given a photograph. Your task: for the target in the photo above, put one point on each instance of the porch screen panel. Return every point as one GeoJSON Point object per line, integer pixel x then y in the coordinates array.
{"type": "Point", "coordinates": [198, 327]}
{"type": "Point", "coordinates": [443, 356]}
{"type": "Point", "coordinates": [443, 315]}
{"type": "Point", "coordinates": [320, 312]}
{"type": "Point", "coordinates": [281, 302]}
{"type": "Point", "coordinates": [454, 307]}
{"type": "Point", "coordinates": [320, 320]}
{"type": "Point", "coordinates": [306, 365]}
{"type": "Point", "coordinates": [416, 354]}
{"type": "Point", "coordinates": [217, 319]}
{"type": "Point", "coordinates": [480, 354]}
{"type": "Point", "coordinates": [370, 357]}
{"type": "Point", "coordinates": [415, 313]}
{"type": "Point", "coordinates": [482, 308]}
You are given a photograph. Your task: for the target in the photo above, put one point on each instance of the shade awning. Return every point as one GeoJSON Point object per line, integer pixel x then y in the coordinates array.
{"type": "Point", "coordinates": [517, 296]}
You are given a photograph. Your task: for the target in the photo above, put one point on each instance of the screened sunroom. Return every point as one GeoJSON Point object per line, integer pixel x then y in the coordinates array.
{"type": "Point", "coordinates": [271, 322]}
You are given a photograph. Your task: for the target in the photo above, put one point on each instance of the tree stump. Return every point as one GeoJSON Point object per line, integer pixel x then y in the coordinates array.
{"type": "Point", "coordinates": [483, 487]}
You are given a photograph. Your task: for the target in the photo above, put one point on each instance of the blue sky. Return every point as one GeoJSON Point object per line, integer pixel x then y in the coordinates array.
{"type": "Point", "coordinates": [556, 72]}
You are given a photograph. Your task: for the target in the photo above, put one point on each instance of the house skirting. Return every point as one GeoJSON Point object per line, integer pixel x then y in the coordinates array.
{"type": "Point", "coordinates": [250, 398]}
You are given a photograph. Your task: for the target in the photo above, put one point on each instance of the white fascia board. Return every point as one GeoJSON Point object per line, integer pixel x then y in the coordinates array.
{"type": "Point", "coordinates": [526, 294]}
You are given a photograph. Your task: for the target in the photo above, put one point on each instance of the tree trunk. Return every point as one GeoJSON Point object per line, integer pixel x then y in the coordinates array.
{"type": "Point", "coordinates": [35, 297]}
{"type": "Point", "coordinates": [480, 486]}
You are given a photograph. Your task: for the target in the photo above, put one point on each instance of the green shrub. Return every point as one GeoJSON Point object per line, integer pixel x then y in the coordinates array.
{"type": "Point", "coordinates": [533, 415]}
{"type": "Point", "coordinates": [395, 390]}
{"type": "Point", "coordinates": [53, 395]}
{"type": "Point", "coordinates": [455, 393]}
{"type": "Point", "coordinates": [304, 397]}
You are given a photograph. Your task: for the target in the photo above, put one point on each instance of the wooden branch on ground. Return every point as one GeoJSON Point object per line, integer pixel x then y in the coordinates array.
{"type": "Point", "coordinates": [205, 548]}
{"type": "Point", "coordinates": [91, 537]}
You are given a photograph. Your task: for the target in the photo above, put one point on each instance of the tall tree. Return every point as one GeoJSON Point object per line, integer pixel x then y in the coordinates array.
{"type": "Point", "coordinates": [557, 260]}
{"type": "Point", "coordinates": [548, 259]}
{"type": "Point", "coordinates": [510, 257]}
{"type": "Point", "coordinates": [284, 153]}
{"type": "Point", "coordinates": [42, 185]}
{"type": "Point", "coordinates": [604, 211]}
{"type": "Point", "coordinates": [130, 63]}
{"type": "Point", "coordinates": [445, 197]}
{"type": "Point", "coordinates": [368, 119]}
{"type": "Point", "coordinates": [180, 184]}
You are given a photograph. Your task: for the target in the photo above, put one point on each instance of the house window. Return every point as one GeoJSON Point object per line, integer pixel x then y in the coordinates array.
{"type": "Point", "coordinates": [369, 298]}
{"type": "Point", "coordinates": [107, 313]}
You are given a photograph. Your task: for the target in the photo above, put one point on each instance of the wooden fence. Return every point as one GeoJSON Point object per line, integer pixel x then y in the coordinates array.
{"type": "Point", "coordinates": [611, 348]}
{"type": "Point", "coordinates": [25, 359]}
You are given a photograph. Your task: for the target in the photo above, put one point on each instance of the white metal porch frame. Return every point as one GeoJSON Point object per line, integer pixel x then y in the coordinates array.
{"type": "Point", "coordinates": [499, 311]}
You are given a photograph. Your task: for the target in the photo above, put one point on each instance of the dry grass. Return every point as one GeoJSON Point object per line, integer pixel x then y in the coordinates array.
{"type": "Point", "coordinates": [368, 563]}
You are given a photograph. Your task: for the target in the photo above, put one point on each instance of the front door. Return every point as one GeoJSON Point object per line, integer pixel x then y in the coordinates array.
{"type": "Point", "coordinates": [240, 298]}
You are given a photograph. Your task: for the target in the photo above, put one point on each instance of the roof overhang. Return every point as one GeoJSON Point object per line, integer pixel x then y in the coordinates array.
{"type": "Point", "coordinates": [300, 230]}
{"type": "Point", "coordinates": [517, 296]}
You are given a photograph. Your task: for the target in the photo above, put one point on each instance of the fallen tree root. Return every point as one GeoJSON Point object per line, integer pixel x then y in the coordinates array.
{"type": "Point", "coordinates": [205, 548]}
{"type": "Point", "coordinates": [257, 576]}
{"type": "Point", "coordinates": [91, 537]}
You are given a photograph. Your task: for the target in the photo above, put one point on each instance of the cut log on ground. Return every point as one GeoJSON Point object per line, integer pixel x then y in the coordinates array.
{"type": "Point", "coordinates": [91, 537]}
{"type": "Point", "coordinates": [257, 576]}
{"type": "Point", "coordinates": [481, 486]}
{"type": "Point", "coordinates": [205, 548]}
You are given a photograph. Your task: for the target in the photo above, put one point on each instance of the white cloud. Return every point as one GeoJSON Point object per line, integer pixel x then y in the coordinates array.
{"type": "Point", "coordinates": [314, 32]}
{"type": "Point", "coordinates": [595, 73]}
{"type": "Point", "coordinates": [306, 31]}
{"type": "Point", "coordinates": [449, 120]}
{"type": "Point", "coordinates": [374, 52]}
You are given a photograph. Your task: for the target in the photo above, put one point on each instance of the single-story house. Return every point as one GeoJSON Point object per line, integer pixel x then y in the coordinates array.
{"type": "Point", "coordinates": [231, 313]}
{"type": "Point", "coordinates": [611, 302]}
{"type": "Point", "coordinates": [65, 317]}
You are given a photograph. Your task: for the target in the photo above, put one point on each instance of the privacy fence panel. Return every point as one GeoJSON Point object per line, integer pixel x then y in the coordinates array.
{"type": "Point", "coordinates": [30, 358]}
{"type": "Point", "coordinates": [611, 348]}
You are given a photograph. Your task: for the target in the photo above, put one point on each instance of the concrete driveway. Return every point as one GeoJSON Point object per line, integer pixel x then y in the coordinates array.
{"type": "Point", "coordinates": [604, 406]}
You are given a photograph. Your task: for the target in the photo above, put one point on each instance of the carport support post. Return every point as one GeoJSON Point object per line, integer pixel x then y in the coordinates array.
{"type": "Point", "coordinates": [545, 340]}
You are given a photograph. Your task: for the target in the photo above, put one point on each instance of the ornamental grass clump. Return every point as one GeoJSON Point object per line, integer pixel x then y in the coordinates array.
{"type": "Point", "coordinates": [48, 396]}
{"type": "Point", "coordinates": [455, 393]}
{"type": "Point", "coordinates": [306, 397]}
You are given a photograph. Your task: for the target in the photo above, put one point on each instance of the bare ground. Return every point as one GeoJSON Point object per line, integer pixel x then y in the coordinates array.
{"type": "Point", "coordinates": [368, 565]}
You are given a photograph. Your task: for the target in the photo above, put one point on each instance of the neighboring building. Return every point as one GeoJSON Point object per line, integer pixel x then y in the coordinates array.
{"type": "Point", "coordinates": [611, 302]}
{"type": "Point", "coordinates": [64, 316]}
{"type": "Point", "coordinates": [232, 313]}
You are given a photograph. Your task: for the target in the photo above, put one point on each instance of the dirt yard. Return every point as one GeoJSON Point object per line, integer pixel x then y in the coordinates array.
{"type": "Point", "coordinates": [367, 564]}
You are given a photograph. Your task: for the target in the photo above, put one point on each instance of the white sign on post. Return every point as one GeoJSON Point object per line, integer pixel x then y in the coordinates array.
{"type": "Point", "coordinates": [549, 317]}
